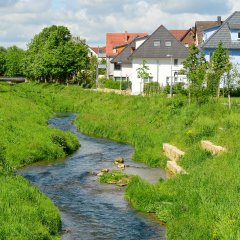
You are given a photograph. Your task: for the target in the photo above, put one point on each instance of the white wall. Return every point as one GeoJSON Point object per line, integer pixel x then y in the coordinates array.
{"type": "Point", "coordinates": [160, 69]}
{"type": "Point", "coordinates": [139, 42]}
{"type": "Point", "coordinates": [125, 72]}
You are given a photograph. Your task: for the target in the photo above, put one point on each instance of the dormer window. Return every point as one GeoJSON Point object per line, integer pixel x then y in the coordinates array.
{"type": "Point", "coordinates": [156, 43]}
{"type": "Point", "coordinates": [168, 43]}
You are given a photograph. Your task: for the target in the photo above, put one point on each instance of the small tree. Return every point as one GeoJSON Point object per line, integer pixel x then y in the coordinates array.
{"type": "Point", "coordinates": [143, 73]}
{"type": "Point", "coordinates": [220, 64]}
{"type": "Point", "coordinates": [232, 78]}
{"type": "Point", "coordinates": [195, 67]}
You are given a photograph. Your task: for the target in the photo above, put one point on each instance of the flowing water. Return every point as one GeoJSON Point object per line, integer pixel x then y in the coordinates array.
{"type": "Point", "coordinates": [90, 210]}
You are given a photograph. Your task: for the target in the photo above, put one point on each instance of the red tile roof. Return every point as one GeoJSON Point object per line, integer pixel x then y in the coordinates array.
{"type": "Point", "coordinates": [99, 49]}
{"type": "Point", "coordinates": [116, 39]}
{"type": "Point", "coordinates": [179, 34]}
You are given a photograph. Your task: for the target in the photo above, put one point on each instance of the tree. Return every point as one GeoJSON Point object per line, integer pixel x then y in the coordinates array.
{"type": "Point", "coordinates": [54, 55]}
{"type": "Point", "coordinates": [143, 73]}
{"type": "Point", "coordinates": [195, 67]}
{"type": "Point", "coordinates": [231, 80]}
{"type": "Point", "coordinates": [3, 53]}
{"type": "Point", "coordinates": [219, 65]}
{"type": "Point", "coordinates": [14, 61]}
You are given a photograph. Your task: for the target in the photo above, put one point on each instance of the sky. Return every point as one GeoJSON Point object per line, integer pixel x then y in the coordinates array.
{"type": "Point", "coordinates": [20, 20]}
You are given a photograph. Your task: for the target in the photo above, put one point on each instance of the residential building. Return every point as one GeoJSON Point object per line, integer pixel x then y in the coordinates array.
{"type": "Point", "coordinates": [117, 39]}
{"type": "Point", "coordinates": [187, 37]}
{"type": "Point", "coordinates": [122, 62]}
{"type": "Point", "coordinates": [200, 26]}
{"type": "Point", "coordinates": [163, 54]}
{"type": "Point", "coordinates": [229, 34]}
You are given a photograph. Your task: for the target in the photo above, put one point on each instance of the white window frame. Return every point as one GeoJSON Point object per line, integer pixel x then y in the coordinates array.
{"type": "Point", "coordinates": [156, 43]}
{"type": "Point", "coordinates": [168, 43]}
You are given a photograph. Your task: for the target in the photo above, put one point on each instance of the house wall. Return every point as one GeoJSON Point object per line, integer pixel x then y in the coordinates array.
{"type": "Point", "coordinates": [125, 72]}
{"type": "Point", "coordinates": [208, 33]}
{"type": "Point", "coordinates": [234, 34]}
{"type": "Point", "coordinates": [234, 55]}
{"type": "Point", "coordinates": [110, 67]}
{"type": "Point", "coordinates": [139, 42]}
{"type": "Point", "coordinates": [189, 39]}
{"type": "Point", "coordinates": [160, 70]}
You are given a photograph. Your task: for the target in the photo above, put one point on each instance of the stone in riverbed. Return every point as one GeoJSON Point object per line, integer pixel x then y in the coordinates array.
{"type": "Point", "coordinates": [105, 170]}
{"type": "Point", "coordinates": [121, 166]}
{"type": "Point", "coordinates": [118, 160]}
{"type": "Point", "coordinates": [67, 230]}
{"type": "Point", "coordinates": [100, 174]}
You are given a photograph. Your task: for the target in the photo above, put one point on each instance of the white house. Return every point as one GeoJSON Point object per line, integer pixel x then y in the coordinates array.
{"type": "Point", "coordinates": [163, 54]}
{"type": "Point", "coordinates": [122, 63]}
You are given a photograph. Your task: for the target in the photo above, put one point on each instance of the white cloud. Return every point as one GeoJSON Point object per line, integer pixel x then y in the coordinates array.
{"type": "Point", "coordinates": [22, 19]}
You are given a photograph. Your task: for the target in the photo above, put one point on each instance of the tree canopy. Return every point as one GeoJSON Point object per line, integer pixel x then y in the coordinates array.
{"type": "Point", "coordinates": [54, 54]}
{"type": "Point", "coordinates": [195, 67]}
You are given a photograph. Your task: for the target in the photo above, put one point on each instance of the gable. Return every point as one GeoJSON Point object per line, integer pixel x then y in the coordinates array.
{"type": "Point", "coordinates": [161, 44]}
{"type": "Point", "coordinates": [226, 34]}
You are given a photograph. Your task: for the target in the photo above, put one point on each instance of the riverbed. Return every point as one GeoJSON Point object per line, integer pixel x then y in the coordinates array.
{"type": "Point", "coordinates": [90, 210]}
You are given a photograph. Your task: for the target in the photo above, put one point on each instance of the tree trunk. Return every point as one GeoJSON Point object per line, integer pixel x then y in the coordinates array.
{"type": "Point", "coordinates": [229, 103]}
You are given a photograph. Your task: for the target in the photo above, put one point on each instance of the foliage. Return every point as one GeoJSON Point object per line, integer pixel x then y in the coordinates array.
{"type": "Point", "coordinates": [11, 61]}
{"type": "Point", "coordinates": [195, 66]}
{"type": "Point", "coordinates": [54, 55]}
{"type": "Point", "coordinates": [3, 52]}
{"type": "Point", "coordinates": [151, 88]}
{"type": "Point", "coordinates": [114, 84]}
{"type": "Point", "coordinates": [219, 65]}
{"type": "Point", "coordinates": [113, 176]}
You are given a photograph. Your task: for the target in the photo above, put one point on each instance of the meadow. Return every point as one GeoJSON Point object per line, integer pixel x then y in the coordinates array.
{"type": "Point", "coordinates": [200, 205]}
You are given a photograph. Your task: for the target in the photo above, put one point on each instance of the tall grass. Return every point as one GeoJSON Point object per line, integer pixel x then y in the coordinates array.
{"type": "Point", "coordinates": [26, 138]}
{"type": "Point", "coordinates": [200, 205]}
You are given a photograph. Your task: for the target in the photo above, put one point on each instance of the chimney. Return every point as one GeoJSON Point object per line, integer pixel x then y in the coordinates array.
{"type": "Point", "coordinates": [219, 20]}
{"type": "Point", "coordinates": [125, 36]}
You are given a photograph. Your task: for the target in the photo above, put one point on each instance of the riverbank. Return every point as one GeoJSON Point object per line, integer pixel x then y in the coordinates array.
{"type": "Point", "coordinates": [26, 138]}
{"type": "Point", "coordinates": [200, 205]}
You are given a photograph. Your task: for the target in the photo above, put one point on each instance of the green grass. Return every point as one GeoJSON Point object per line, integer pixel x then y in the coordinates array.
{"type": "Point", "coordinates": [114, 176]}
{"type": "Point", "coordinates": [26, 138]}
{"type": "Point", "coordinates": [201, 205]}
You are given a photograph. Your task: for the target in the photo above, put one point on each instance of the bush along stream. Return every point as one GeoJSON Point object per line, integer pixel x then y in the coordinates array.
{"type": "Point", "coordinates": [204, 204]}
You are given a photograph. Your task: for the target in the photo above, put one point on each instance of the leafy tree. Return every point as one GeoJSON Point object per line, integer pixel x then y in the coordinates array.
{"type": "Point", "coordinates": [3, 52]}
{"type": "Point", "coordinates": [219, 65]}
{"type": "Point", "coordinates": [195, 67]}
{"type": "Point", "coordinates": [14, 61]}
{"type": "Point", "coordinates": [54, 55]}
{"type": "Point", "coordinates": [143, 73]}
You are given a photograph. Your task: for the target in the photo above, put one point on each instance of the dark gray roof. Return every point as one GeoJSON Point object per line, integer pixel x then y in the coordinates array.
{"type": "Point", "coordinates": [123, 56]}
{"type": "Point", "coordinates": [223, 34]}
{"type": "Point", "coordinates": [148, 50]}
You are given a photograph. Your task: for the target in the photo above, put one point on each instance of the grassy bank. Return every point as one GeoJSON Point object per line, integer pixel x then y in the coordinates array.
{"type": "Point", "coordinates": [26, 138]}
{"type": "Point", "coordinates": [200, 205]}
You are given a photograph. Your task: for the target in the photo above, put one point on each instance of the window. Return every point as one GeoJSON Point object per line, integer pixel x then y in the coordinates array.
{"type": "Point", "coordinates": [175, 62]}
{"type": "Point", "coordinates": [168, 43]}
{"type": "Point", "coordinates": [156, 43]}
{"type": "Point", "coordinates": [239, 35]}
{"type": "Point", "coordinates": [117, 66]}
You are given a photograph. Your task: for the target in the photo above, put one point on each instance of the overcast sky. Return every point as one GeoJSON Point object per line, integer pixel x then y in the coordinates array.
{"type": "Point", "coordinates": [20, 20]}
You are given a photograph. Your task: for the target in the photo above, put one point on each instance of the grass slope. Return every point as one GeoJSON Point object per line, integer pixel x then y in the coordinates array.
{"type": "Point", "coordinates": [201, 205]}
{"type": "Point", "coordinates": [26, 138]}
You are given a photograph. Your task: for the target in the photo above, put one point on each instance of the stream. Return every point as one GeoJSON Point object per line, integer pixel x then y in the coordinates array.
{"type": "Point", "coordinates": [90, 210]}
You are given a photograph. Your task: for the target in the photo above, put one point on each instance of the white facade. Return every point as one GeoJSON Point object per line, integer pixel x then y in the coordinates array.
{"type": "Point", "coordinates": [160, 70]}
{"type": "Point", "coordinates": [125, 72]}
